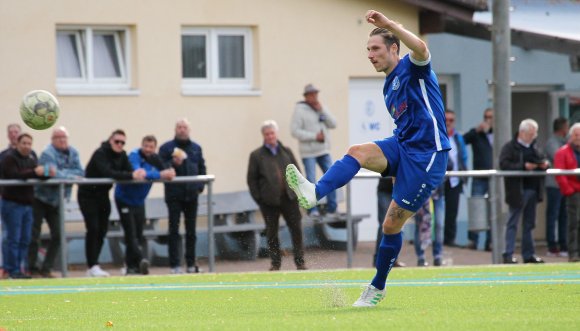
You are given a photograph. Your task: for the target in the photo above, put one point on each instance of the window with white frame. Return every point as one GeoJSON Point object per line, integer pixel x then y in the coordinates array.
{"type": "Point", "coordinates": [92, 58]}
{"type": "Point", "coordinates": [216, 59]}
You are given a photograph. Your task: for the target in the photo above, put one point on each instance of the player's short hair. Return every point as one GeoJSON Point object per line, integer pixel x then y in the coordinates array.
{"type": "Point", "coordinates": [269, 124]}
{"type": "Point", "coordinates": [528, 124]}
{"type": "Point", "coordinates": [449, 111]}
{"type": "Point", "coordinates": [183, 121]}
{"type": "Point", "coordinates": [559, 123]}
{"type": "Point", "coordinates": [486, 111]}
{"type": "Point", "coordinates": [13, 125]}
{"type": "Point", "coordinates": [24, 135]}
{"type": "Point", "coordinates": [388, 37]}
{"type": "Point", "coordinates": [118, 132]}
{"type": "Point", "coordinates": [60, 129]}
{"type": "Point", "coordinates": [150, 139]}
{"type": "Point", "coordinates": [575, 126]}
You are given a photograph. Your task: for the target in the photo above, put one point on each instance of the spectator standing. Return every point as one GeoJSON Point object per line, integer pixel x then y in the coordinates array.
{"type": "Point", "coordinates": [13, 131]}
{"type": "Point", "coordinates": [65, 159]}
{"type": "Point", "coordinates": [108, 161]}
{"type": "Point", "coordinates": [522, 193]}
{"type": "Point", "coordinates": [269, 189]}
{"type": "Point", "coordinates": [423, 233]}
{"type": "Point", "coordinates": [481, 140]}
{"type": "Point", "coordinates": [130, 201]}
{"type": "Point", "coordinates": [556, 204]}
{"type": "Point", "coordinates": [311, 123]}
{"type": "Point", "coordinates": [19, 163]}
{"type": "Point", "coordinates": [453, 186]}
{"type": "Point", "coordinates": [186, 157]}
{"type": "Point", "coordinates": [568, 157]}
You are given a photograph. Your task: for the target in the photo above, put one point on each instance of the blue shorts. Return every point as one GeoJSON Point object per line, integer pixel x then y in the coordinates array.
{"type": "Point", "coordinates": [417, 174]}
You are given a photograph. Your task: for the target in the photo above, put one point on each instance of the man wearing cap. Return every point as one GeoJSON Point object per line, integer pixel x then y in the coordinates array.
{"type": "Point", "coordinates": [310, 124]}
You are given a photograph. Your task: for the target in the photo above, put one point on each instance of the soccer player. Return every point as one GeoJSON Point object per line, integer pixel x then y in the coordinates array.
{"type": "Point", "coordinates": [416, 154]}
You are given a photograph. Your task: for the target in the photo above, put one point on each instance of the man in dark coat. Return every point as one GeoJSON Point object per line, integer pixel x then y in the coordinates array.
{"type": "Point", "coordinates": [522, 194]}
{"type": "Point", "coordinates": [186, 157]}
{"type": "Point", "coordinates": [270, 191]}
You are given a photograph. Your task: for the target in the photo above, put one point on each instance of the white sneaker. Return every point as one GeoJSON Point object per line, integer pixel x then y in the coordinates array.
{"type": "Point", "coordinates": [563, 254]}
{"type": "Point", "coordinates": [370, 297]}
{"type": "Point", "coordinates": [176, 271]}
{"type": "Point", "coordinates": [304, 189]}
{"type": "Point", "coordinates": [96, 271]}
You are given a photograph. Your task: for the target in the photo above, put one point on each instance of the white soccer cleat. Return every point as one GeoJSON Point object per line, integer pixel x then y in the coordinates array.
{"type": "Point", "coordinates": [370, 297]}
{"type": "Point", "coordinates": [96, 271]}
{"type": "Point", "coordinates": [304, 189]}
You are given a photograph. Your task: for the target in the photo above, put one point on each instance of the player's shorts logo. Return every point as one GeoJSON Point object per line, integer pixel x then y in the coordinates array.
{"type": "Point", "coordinates": [396, 83]}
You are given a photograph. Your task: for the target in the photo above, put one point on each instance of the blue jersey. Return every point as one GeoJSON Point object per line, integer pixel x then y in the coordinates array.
{"type": "Point", "coordinates": [414, 101]}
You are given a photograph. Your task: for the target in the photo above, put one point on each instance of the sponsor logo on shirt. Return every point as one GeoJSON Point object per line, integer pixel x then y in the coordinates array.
{"type": "Point", "coordinates": [396, 113]}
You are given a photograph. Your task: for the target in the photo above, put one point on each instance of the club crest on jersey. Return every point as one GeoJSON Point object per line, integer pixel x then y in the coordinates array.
{"type": "Point", "coordinates": [396, 83]}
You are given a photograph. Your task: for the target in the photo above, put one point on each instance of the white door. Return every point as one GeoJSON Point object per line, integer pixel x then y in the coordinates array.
{"type": "Point", "coordinates": [368, 121]}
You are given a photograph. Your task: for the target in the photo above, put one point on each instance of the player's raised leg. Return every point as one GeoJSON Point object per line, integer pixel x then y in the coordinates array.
{"type": "Point", "coordinates": [368, 156]}
{"type": "Point", "coordinates": [387, 254]}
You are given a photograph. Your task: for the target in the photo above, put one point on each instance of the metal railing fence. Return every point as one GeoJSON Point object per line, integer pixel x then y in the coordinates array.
{"type": "Point", "coordinates": [209, 179]}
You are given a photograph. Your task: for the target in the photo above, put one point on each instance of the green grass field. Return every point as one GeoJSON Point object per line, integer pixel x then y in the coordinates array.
{"type": "Point", "coordinates": [545, 297]}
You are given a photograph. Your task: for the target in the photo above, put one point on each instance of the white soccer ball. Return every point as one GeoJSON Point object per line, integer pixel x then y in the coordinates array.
{"type": "Point", "coordinates": [39, 109]}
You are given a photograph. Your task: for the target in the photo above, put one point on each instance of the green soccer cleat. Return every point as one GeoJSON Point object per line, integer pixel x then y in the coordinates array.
{"type": "Point", "coordinates": [370, 297]}
{"type": "Point", "coordinates": [304, 189]}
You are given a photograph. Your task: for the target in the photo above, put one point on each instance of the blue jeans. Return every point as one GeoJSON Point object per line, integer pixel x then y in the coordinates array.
{"type": "Point", "coordinates": [16, 229]}
{"type": "Point", "coordinates": [556, 213]}
{"type": "Point", "coordinates": [479, 188]}
{"type": "Point", "coordinates": [528, 209]}
{"type": "Point", "coordinates": [324, 161]}
{"type": "Point", "coordinates": [439, 210]}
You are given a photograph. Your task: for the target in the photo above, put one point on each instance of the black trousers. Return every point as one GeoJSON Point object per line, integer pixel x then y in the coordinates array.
{"type": "Point", "coordinates": [96, 212]}
{"type": "Point", "coordinates": [40, 211]}
{"type": "Point", "coordinates": [132, 221]}
{"type": "Point", "coordinates": [291, 212]}
{"type": "Point", "coordinates": [452, 195]}
{"type": "Point", "coordinates": [189, 210]}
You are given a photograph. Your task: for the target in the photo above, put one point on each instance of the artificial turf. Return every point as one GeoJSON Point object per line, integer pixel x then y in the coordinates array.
{"type": "Point", "coordinates": [538, 297]}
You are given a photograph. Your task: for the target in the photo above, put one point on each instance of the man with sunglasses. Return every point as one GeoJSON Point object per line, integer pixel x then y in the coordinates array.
{"type": "Point", "coordinates": [108, 161]}
{"type": "Point", "coordinates": [481, 140]}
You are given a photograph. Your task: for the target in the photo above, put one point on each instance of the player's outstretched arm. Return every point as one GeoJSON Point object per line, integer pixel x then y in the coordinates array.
{"type": "Point", "coordinates": [419, 50]}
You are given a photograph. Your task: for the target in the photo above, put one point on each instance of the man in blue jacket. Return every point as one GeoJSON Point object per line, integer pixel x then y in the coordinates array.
{"type": "Point", "coordinates": [453, 185]}
{"type": "Point", "coordinates": [186, 157]}
{"type": "Point", "coordinates": [130, 201]}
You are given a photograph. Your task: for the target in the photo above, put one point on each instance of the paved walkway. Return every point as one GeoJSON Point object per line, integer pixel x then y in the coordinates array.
{"type": "Point", "coordinates": [318, 259]}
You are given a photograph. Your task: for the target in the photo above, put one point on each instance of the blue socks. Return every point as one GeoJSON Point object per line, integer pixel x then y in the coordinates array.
{"type": "Point", "coordinates": [340, 173]}
{"type": "Point", "coordinates": [386, 256]}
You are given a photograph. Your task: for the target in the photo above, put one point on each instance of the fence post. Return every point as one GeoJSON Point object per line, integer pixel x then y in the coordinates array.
{"type": "Point", "coordinates": [63, 244]}
{"type": "Point", "coordinates": [210, 234]}
{"type": "Point", "coordinates": [349, 230]}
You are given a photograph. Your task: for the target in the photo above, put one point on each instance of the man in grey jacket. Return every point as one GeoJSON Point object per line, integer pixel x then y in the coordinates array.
{"type": "Point", "coordinates": [311, 122]}
{"type": "Point", "coordinates": [65, 160]}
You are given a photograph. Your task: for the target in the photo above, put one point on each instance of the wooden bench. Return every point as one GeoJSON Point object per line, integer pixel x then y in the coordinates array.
{"type": "Point", "coordinates": [237, 227]}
